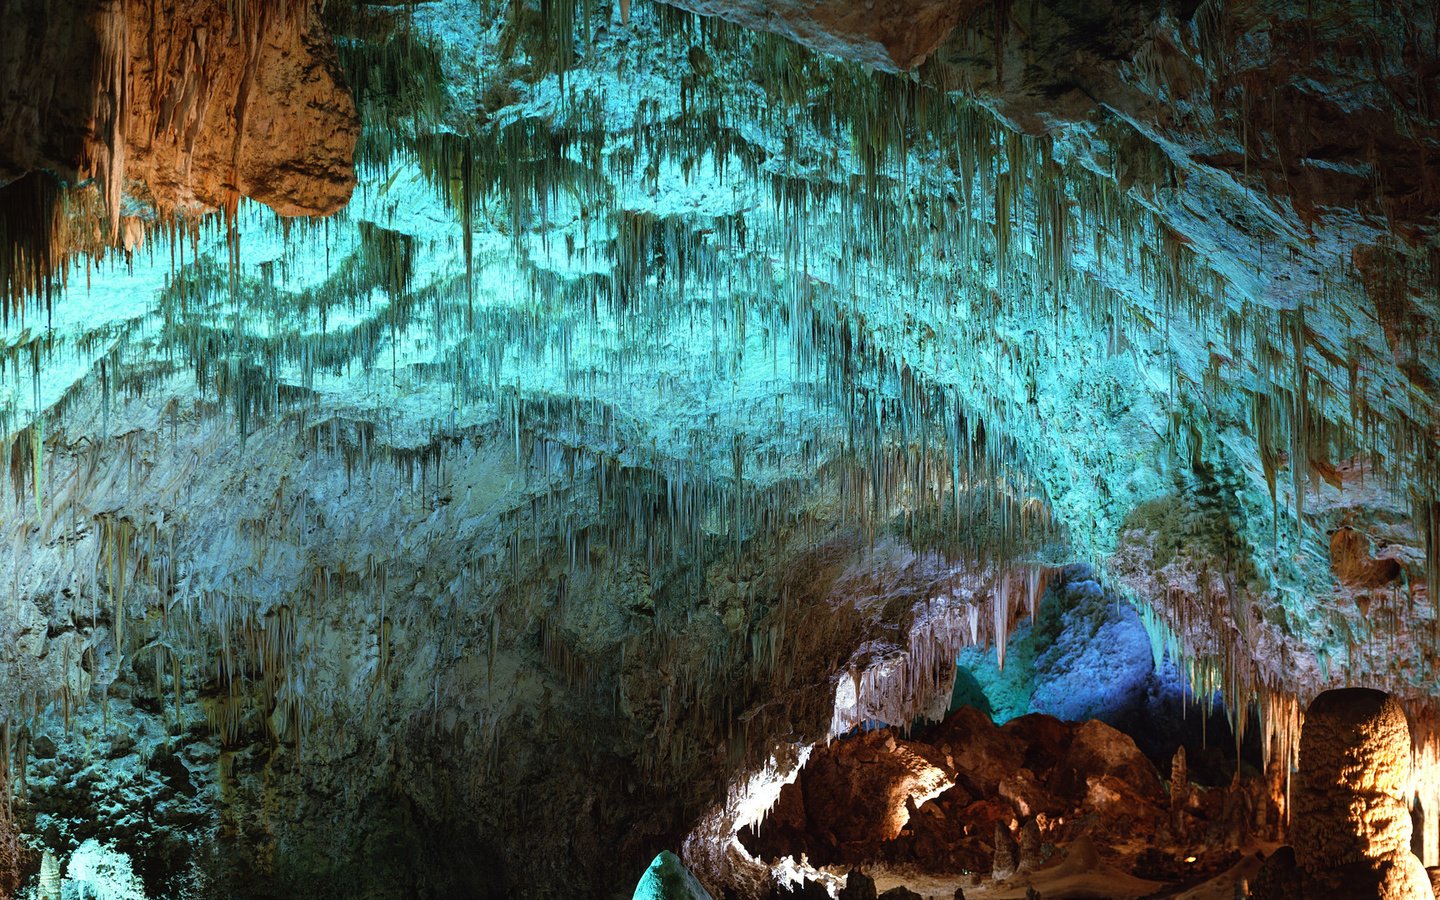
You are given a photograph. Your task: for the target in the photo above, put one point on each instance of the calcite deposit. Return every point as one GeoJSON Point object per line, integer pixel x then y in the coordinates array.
{"type": "Point", "coordinates": [1352, 825]}
{"type": "Point", "coordinates": [630, 401]}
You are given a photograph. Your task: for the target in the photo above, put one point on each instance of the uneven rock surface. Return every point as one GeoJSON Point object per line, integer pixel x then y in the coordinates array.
{"type": "Point", "coordinates": [676, 387]}
{"type": "Point", "coordinates": [668, 879]}
{"type": "Point", "coordinates": [10, 862]}
{"type": "Point", "coordinates": [891, 35]}
{"type": "Point", "coordinates": [168, 107]}
{"type": "Point", "coordinates": [228, 99]}
{"type": "Point", "coordinates": [1351, 824]}
{"type": "Point", "coordinates": [49, 56]}
{"type": "Point", "coordinates": [858, 886]}
{"type": "Point", "coordinates": [1081, 785]}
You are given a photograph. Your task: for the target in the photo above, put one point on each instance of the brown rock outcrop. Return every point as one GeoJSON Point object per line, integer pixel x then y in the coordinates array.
{"type": "Point", "coordinates": [49, 53]}
{"type": "Point", "coordinates": [187, 106]}
{"type": "Point", "coordinates": [978, 749]}
{"type": "Point", "coordinates": [180, 107]}
{"type": "Point", "coordinates": [1092, 786]}
{"type": "Point", "coordinates": [227, 98]}
{"type": "Point", "coordinates": [851, 802]}
{"type": "Point", "coordinates": [1098, 751]}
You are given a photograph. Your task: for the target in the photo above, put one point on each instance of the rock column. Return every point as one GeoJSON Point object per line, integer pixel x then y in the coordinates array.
{"type": "Point", "coordinates": [1350, 824]}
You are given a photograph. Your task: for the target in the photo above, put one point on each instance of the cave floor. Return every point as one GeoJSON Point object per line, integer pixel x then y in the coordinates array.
{"type": "Point", "coordinates": [1062, 880]}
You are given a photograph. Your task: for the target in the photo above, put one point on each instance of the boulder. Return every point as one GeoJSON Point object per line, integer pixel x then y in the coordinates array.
{"type": "Point", "coordinates": [1028, 796]}
{"type": "Point", "coordinates": [978, 750]}
{"type": "Point", "coordinates": [1097, 751]}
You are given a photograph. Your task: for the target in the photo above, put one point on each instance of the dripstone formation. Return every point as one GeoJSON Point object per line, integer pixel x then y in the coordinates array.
{"type": "Point", "coordinates": [1351, 827]}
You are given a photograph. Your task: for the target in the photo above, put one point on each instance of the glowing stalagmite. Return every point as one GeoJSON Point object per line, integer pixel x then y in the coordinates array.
{"type": "Point", "coordinates": [1351, 825]}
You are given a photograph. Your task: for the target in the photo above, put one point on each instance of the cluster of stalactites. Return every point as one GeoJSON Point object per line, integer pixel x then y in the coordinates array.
{"type": "Point", "coordinates": [945, 215]}
{"type": "Point", "coordinates": [915, 682]}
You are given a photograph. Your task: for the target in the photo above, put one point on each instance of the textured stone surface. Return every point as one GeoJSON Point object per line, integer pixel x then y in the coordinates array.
{"type": "Point", "coordinates": [1354, 773]}
{"type": "Point", "coordinates": [1097, 751]}
{"type": "Point", "coordinates": [195, 103]}
{"type": "Point", "coordinates": [10, 853]}
{"type": "Point", "coordinates": [1006, 862]}
{"type": "Point", "coordinates": [668, 879]}
{"type": "Point", "coordinates": [49, 53]}
{"type": "Point", "coordinates": [889, 34]}
{"type": "Point", "coordinates": [1351, 826]}
{"type": "Point", "coordinates": [623, 481]}
{"type": "Point", "coordinates": [1107, 796]}
{"type": "Point", "coordinates": [243, 99]}
{"type": "Point", "coordinates": [858, 886]}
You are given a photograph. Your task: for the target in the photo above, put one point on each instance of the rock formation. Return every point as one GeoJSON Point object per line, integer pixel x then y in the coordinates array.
{"type": "Point", "coordinates": [169, 108]}
{"type": "Point", "coordinates": [1179, 791]}
{"type": "Point", "coordinates": [233, 99]}
{"type": "Point", "coordinates": [1005, 863]}
{"type": "Point", "coordinates": [1029, 855]}
{"type": "Point", "coordinates": [10, 861]}
{"type": "Point", "coordinates": [675, 399]}
{"type": "Point", "coordinates": [1079, 799]}
{"type": "Point", "coordinates": [1351, 824]}
{"type": "Point", "coordinates": [858, 886]}
{"type": "Point", "coordinates": [892, 35]}
{"type": "Point", "coordinates": [668, 879]}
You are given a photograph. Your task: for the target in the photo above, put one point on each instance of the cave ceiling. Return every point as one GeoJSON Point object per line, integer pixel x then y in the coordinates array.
{"type": "Point", "coordinates": [625, 319]}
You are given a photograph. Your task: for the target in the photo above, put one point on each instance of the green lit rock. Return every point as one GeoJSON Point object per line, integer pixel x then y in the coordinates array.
{"type": "Point", "coordinates": [668, 879]}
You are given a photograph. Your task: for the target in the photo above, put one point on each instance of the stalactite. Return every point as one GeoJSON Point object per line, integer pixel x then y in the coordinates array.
{"type": "Point", "coordinates": [1000, 603]}
{"type": "Point", "coordinates": [892, 365]}
{"type": "Point", "coordinates": [30, 209]}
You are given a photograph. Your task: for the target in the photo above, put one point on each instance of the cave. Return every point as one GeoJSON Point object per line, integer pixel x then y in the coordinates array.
{"type": "Point", "coordinates": [680, 450]}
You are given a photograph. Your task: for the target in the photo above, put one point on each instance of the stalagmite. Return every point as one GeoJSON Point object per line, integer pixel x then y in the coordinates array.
{"type": "Point", "coordinates": [1351, 826]}
{"type": "Point", "coordinates": [1028, 857]}
{"type": "Point", "coordinates": [1006, 863]}
{"type": "Point", "coordinates": [1001, 605]}
{"type": "Point", "coordinates": [1179, 789]}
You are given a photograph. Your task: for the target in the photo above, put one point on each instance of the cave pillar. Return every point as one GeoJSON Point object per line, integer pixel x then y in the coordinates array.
{"type": "Point", "coordinates": [1351, 827]}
